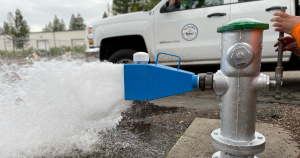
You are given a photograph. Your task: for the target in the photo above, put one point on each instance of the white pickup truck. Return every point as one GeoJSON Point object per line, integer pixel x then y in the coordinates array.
{"type": "Point", "coordinates": [189, 31]}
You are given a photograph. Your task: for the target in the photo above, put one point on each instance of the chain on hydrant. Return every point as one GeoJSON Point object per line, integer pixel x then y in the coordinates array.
{"type": "Point", "coordinates": [237, 85]}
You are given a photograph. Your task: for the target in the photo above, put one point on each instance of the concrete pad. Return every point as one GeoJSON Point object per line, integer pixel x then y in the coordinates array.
{"type": "Point", "coordinates": [196, 141]}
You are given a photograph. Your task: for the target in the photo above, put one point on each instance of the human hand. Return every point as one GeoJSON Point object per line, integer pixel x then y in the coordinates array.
{"type": "Point", "coordinates": [285, 41]}
{"type": "Point", "coordinates": [284, 22]}
{"type": "Point", "coordinates": [289, 44]}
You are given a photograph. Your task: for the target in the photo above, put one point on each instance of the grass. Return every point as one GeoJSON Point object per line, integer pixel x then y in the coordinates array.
{"type": "Point", "coordinates": [179, 135]}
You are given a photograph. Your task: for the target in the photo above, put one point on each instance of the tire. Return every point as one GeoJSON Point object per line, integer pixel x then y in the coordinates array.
{"type": "Point", "coordinates": [124, 56]}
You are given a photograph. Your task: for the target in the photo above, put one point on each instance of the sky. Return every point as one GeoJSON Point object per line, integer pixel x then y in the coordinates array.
{"type": "Point", "coordinates": [37, 13]}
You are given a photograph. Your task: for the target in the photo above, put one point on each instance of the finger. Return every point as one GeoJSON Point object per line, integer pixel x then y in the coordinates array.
{"type": "Point", "coordinates": [274, 19]}
{"type": "Point", "coordinates": [284, 42]}
{"type": "Point", "coordinates": [287, 39]}
{"type": "Point", "coordinates": [278, 19]}
{"type": "Point", "coordinates": [292, 46]}
{"type": "Point", "coordinates": [280, 29]}
{"type": "Point", "coordinates": [281, 14]}
{"type": "Point", "coordinates": [276, 50]}
{"type": "Point", "coordinates": [277, 24]}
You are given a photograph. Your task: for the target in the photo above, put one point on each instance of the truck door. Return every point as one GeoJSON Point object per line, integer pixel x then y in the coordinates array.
{"type": "Point", "coordinates": [262, 10]}
{"type": "Point", "coordinates": [191, 32]}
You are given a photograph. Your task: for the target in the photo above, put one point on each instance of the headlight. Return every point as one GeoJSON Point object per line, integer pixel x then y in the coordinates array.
{"type": "Point", "coordinates": [90, 35]}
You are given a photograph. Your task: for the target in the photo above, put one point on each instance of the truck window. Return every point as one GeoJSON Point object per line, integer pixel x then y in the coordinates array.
{"type": "Point", "coordinates": [192, 4]}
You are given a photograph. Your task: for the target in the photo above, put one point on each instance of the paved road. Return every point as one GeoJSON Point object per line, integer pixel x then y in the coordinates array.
{"type": "Point", "coordinates": [207, 100]}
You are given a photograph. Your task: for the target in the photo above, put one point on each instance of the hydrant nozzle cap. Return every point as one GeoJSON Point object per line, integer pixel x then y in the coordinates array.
{"type": "Point", "coordinates": [241, 24]}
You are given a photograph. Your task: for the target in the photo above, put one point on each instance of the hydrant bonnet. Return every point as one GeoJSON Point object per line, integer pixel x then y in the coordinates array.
{"type": "Point", "coordinates": [241, 24]}
{"type": "Point", "coordinates": [241, 47]}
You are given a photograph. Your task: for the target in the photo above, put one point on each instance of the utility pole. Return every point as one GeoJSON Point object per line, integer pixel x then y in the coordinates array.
{"type": "Point", "coordinates": [108, 10]}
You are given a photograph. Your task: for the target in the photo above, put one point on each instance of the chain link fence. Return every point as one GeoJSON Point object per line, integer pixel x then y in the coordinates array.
{"type": "Point", "coordinates": [19, 50]}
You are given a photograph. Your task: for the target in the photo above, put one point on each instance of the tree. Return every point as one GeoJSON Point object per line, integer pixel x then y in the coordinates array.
{"type": "Point", "coordinates": [48, 28]}
{"type": "Point", "coordinates": [1, 31]}
{"type": "Point", "coordinates": [150, 4]}
{"type": "Point", "coordinates": [136, 5]}
{"type": "Point", "coordinates": [62, 25]}
{"type": "Point", "coordinates": [120, 6]}
{"type": "Point", "coordinates": [126, 6]}
{"type": "Point", "coordinates": [57, 25]}
{"type": "Point", "coordinates": [104, 15]}
{"type": "Point", "coordinates": [6, 28]}
{"type": "Point", "coordinates": [21, 30]}
{"type": "Point", "coordinates": [17, 29]}
{"type": "Point", "coordinates": [77, 23]}
{"type": "Point", "coordinates": [72, 22]}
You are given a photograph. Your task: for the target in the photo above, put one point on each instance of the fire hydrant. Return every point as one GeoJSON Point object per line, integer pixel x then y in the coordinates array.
{"type": "Point", "coordinates": [237, 85]}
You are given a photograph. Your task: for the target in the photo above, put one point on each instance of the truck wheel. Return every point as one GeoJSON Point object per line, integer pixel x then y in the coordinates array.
{"type": "Point", "coordinates": [124, 56]}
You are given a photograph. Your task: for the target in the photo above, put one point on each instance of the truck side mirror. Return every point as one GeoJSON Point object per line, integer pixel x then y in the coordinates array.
{"type": "Point", "coordinates": [173, 5]}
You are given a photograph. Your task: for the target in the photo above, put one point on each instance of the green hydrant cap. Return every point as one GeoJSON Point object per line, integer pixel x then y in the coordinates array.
{"type": "Point", "coordinates": [241, 24]}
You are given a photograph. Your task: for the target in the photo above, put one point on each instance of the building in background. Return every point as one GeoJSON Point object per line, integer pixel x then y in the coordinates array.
{"type": "Point", "coordinates": [47, 40]}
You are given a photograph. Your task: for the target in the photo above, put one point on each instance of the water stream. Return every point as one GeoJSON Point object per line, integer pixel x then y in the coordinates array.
{"type": "Point", "coordinates": [51, 108]}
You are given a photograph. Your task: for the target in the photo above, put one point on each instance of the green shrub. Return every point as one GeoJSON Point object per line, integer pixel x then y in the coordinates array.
{"type": "Point", "coordinates": [80, 48]}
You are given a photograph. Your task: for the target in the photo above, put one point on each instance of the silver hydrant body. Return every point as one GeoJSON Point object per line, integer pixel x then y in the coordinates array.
{"type": "Point", "coordinates": [237, 85]}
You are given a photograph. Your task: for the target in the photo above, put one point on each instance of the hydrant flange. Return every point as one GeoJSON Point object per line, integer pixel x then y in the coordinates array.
{"type": "Point", "coordinates": [252, 147]}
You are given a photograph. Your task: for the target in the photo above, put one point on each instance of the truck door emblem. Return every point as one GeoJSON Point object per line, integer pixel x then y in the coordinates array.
{"type": "Point", "coordinates": [189, 32]}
